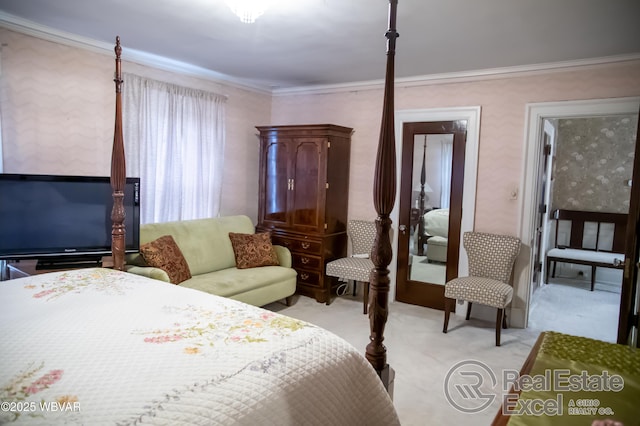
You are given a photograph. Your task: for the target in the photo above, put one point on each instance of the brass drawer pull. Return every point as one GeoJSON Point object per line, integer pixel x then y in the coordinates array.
{"type": "Point", "coordinates": [304, 260]}
{"type": "Point", "coordinates": [304, 276]}
{"type": "Point", "coordinates": [306, 245]}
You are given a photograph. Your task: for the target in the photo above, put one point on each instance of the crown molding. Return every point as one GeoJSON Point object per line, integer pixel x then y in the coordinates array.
{"type": "Point", "coordinates": [143, 58]}
{"type": "Point", "coordinates": [460, 77]}
{"type": "Point", "coordinates": [40, 31]}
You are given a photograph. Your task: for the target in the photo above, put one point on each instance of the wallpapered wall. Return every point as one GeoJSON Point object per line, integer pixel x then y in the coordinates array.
{"type": "Point", "coordinates": [501, 162]}
{"type": "Point", "coordinates": [593, 161]}
{"type": "Point", "coordinates": [58, 109]}
{"type": "Point", "coordinates": [502, 124]}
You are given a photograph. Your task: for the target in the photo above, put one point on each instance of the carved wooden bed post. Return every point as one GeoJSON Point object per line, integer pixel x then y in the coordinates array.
{"type": "Point", "coordinates": [384, 195]}
{"type": "Point", "coordinates": [421, 205]}
{"type": "Point", "coordinates": [118, 173]}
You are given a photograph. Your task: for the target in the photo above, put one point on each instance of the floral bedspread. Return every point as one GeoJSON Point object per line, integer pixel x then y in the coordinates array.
{"type": "Point", "coordinates": [97, 346]}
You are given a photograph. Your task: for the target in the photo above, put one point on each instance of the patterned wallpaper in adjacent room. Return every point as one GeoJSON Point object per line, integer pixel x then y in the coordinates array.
{"type": "Point", "coordinates": [594, 160]}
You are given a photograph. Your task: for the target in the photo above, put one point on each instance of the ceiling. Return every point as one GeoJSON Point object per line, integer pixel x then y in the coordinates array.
{"type": "Point", "coordinates": [299, 43]}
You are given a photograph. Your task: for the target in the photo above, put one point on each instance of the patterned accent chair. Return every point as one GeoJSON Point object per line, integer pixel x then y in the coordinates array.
{"type": "Point", "coordinates": [491, 259]}
{"type": "Point", "coordinates": [358, 266]}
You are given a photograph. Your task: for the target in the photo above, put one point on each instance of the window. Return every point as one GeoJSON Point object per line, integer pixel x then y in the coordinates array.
{"type": "Point", "coordinates": [174, 141]}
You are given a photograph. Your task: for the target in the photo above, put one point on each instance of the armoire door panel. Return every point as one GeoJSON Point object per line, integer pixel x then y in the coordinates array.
{"type": "Point", "coordinates": [307, 190]}
{"type": "Point", "coordinates": [277, 183]}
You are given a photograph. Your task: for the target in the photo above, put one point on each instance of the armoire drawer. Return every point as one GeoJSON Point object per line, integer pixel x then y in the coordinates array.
{"type": "Point", "coordinates": [303, 260]}
{"type": "Point", "coordinates": [296, 245]}
{"type": "Point", "coordinates": [309, 277]}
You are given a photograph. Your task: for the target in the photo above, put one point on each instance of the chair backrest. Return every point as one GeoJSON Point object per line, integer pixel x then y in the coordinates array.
{"type": "Point", "coordinates": [490, 255]}
{"type": "Point", "coordinates": [362, 234]}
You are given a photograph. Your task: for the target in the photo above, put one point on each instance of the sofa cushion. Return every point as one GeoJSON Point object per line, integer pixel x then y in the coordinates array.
{"type": "Point", "coordinates": [165, 254]}
{"type": "Point", "coordinates": [253, 250]}
{"type": "Point", "coordinates": [233, 281]}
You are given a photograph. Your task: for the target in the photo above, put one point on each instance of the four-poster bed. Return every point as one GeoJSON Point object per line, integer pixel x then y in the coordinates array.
{"type": "Point", "coordinates": [118, 171]}
{"type": "Point", "coordinates": [422, 201]}
{"type": "Point", "coordinates": [384, 196]}
{"type": "Point", "coordinates": [99, 345]}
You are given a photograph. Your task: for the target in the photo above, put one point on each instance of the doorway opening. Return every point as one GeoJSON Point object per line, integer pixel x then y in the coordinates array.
{"type": "Point", "coordinates": [559, 181]}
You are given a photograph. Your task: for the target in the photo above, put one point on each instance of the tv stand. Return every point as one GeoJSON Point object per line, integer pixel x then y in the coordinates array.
{"type": "Point", "coordinates": [28, 267]}
{"type": "Point", "coordinates": [69, 262]}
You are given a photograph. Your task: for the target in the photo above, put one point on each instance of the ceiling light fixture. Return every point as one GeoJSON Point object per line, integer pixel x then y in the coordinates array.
{"type": "Point", "coordinates": [248, 10]}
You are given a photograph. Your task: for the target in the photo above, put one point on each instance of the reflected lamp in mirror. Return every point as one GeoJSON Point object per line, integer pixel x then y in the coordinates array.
{"type": "Point", "coordinates": [417, 194]}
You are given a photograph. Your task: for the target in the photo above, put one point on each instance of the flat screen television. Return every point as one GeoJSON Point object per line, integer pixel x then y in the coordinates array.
{"type": "Point", "coordinates": [63, 220]}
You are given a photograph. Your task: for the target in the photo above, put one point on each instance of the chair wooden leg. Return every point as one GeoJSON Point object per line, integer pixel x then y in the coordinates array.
{"type": "Point", "coordinates": [468, 310]}
{"type": "Point", "coordinates": [448, 304]}
{"type": "Point", "coordinates": [499, 319]}
{"type": "Point", "coordinates": [504, 319]}
{"type": "Point", "coordinates": [546, 272]}
{"type": "Point", "coordinates": [355, 287]}
{"type": "Point", "coordinates": [288, 300]}
{"type": "Point", "coordinates": [593, 277]}
{"type": "Point", "coordinates": [365, 298]}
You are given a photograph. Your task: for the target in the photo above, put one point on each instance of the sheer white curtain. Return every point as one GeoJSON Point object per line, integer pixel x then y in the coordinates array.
{"type": "Point", "coordinates": [174, 141]}
{"type": "Point", "coordinates": [446, 161]}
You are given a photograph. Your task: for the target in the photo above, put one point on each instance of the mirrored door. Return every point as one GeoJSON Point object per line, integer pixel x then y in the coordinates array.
{"type": "Point", "coordinates": [430, 210]}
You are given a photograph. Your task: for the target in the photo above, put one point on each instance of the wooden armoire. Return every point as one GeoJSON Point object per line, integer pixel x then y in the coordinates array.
{"type": "Point", "coordinates": [304, 187]}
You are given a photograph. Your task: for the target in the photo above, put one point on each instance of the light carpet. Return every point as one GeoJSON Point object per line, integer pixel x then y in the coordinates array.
{"type": "Point", "coordinates": [424, 271]}
{"type": "Point", "coordinates": [568, 306]}
{"type": "Point", "coordinates": [421, 355]}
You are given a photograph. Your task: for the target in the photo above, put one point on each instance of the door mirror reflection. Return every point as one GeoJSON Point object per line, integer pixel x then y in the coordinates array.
{"type": "Point", "coordinates": [429, 227]}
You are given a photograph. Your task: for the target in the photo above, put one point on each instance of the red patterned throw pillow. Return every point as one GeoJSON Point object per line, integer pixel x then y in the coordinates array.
{"type": "Point", "coordinates": [253, 250]}
{"type": "Point", "coordinates": [165, 254]}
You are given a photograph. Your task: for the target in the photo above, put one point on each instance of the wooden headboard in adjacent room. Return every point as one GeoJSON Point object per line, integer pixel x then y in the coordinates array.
{"type": "Point", "coordinates": [595, 252]}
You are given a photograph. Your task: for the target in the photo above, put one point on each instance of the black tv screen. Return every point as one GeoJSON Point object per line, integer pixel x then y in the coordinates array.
{"type": "Point", "coordinates": [47, 215]}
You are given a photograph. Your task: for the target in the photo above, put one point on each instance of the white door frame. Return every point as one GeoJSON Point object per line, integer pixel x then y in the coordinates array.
{"type": "Point", "coordinates": [472, 116]}
{"type": "Point", "coordinates": [536, 113]}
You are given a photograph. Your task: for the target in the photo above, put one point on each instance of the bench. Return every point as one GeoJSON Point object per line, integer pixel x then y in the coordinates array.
{"type": "Point", "coordinates": [594, 239]}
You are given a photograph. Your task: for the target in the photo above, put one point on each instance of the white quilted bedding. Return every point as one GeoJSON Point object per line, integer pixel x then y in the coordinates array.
{"type": "Point", "coordinates": [97, 346]}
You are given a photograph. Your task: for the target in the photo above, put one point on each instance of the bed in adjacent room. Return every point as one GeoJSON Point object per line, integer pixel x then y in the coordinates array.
{"type": "Point", "coordinates": [436, 228]}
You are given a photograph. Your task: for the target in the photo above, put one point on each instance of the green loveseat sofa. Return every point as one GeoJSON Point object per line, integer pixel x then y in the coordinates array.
{"type": "Point", "coordinates": [207, 248]}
